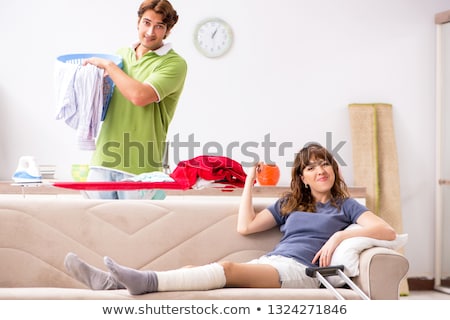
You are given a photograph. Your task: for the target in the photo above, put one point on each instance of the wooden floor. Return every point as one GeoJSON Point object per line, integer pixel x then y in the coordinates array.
{"type": "Point", "coordinates": [426, 295]}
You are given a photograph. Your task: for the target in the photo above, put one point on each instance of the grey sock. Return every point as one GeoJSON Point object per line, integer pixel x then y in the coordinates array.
{"type": "Point", "coordinates": [94, 278]}
{"type": "Point", "coordinates": [136, 281]}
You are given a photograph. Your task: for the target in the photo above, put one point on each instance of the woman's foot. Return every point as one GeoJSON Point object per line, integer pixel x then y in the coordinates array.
{"type": "Point", "coordinates": [92, 277]}
{"type": "Point", "coordinates": [136, 281]}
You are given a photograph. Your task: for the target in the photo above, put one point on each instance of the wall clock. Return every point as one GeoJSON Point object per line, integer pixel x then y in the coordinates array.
{"type": "Point", "coordinates": [213, 37]}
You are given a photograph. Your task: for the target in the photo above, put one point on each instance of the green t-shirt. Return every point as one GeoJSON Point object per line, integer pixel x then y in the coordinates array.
{"type": "Point", "coordinates": [132, 138]}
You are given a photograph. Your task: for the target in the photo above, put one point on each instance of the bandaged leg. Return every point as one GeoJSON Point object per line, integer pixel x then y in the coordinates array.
{"type": "Point", "coordinates": [92, 277]}
{"type": "Point", "coordinates": [206, 277]}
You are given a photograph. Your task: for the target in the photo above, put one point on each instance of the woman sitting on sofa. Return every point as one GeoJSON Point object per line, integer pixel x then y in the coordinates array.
{"type": "Point", "coordinates": [312, 216]}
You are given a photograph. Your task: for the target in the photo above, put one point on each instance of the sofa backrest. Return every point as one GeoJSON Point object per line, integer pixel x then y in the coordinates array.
{"type": "Point", "coordinates": [36, 234]}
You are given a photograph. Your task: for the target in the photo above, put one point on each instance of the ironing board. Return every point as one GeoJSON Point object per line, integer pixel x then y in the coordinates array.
{"type": "Point", "coordinates": [122, 185]}
{"type": "Point", "coordinates": [185, 175]}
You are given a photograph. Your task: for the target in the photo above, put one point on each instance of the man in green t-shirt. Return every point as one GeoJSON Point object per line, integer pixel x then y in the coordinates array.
{"type": "Point", "coordinates": [147, 89]}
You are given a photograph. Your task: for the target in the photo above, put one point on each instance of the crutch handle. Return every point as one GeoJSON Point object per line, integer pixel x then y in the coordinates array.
{"type": "Point", "coordinates": [324, 271]}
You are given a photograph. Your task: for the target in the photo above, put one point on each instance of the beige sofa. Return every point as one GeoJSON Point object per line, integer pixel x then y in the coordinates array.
{"type": "Point", "coordinates": [36, 234]}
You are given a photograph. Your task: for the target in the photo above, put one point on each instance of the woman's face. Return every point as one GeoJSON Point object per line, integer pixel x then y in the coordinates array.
{"type": "Point", "coordinates": [320, 177]}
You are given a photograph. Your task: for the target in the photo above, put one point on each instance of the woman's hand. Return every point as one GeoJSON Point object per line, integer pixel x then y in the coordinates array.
{"type": "Point", "coordinates": [252, 172]}
{"type": "Point", "coordinates": [325, 253]}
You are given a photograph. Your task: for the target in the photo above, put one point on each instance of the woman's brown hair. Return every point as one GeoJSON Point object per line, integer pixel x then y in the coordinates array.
{"type": "Point", "coordinates": [299, 198]}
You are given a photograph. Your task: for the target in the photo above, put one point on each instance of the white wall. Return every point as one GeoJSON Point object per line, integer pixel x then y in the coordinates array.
{"type": "Point", "coordinates": [293, 69]}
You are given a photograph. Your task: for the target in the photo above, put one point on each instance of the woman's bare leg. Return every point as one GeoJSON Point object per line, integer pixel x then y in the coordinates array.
{"type": "Point", "coordinates": [244, 275]}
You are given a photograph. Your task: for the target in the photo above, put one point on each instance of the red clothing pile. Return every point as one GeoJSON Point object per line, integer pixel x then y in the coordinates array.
{"type": "Point", "coordinates": [215, 168]}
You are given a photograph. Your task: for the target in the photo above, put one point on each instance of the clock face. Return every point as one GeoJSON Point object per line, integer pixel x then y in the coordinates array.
{"type": "Point", "coordinates": [213, 37]}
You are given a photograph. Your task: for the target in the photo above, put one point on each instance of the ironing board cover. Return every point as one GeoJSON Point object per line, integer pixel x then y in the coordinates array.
{"type": "Point", "coordinates": [213, 168]}
{"type": "Point", "coordinates": [122, 185]}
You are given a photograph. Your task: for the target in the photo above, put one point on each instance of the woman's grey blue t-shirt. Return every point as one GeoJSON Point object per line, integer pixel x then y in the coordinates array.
{"type": "Point", "coordinates": [304, 233]}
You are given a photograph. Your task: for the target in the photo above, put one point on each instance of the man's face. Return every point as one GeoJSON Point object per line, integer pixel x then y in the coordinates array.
{"type": "Point", "coordinates": [152, 30]}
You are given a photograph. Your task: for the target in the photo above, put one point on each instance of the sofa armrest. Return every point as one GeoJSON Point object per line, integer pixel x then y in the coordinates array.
{"type": "Point", "coordinates": [380, 272]}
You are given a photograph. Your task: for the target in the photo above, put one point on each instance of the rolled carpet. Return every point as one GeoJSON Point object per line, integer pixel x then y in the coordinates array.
{"type": "Point", "coordinates": [375, 163]}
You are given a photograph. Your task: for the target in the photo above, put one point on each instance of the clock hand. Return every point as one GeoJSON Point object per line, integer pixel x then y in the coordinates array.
{"type": "Point", "coordinates": [214, 34]}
